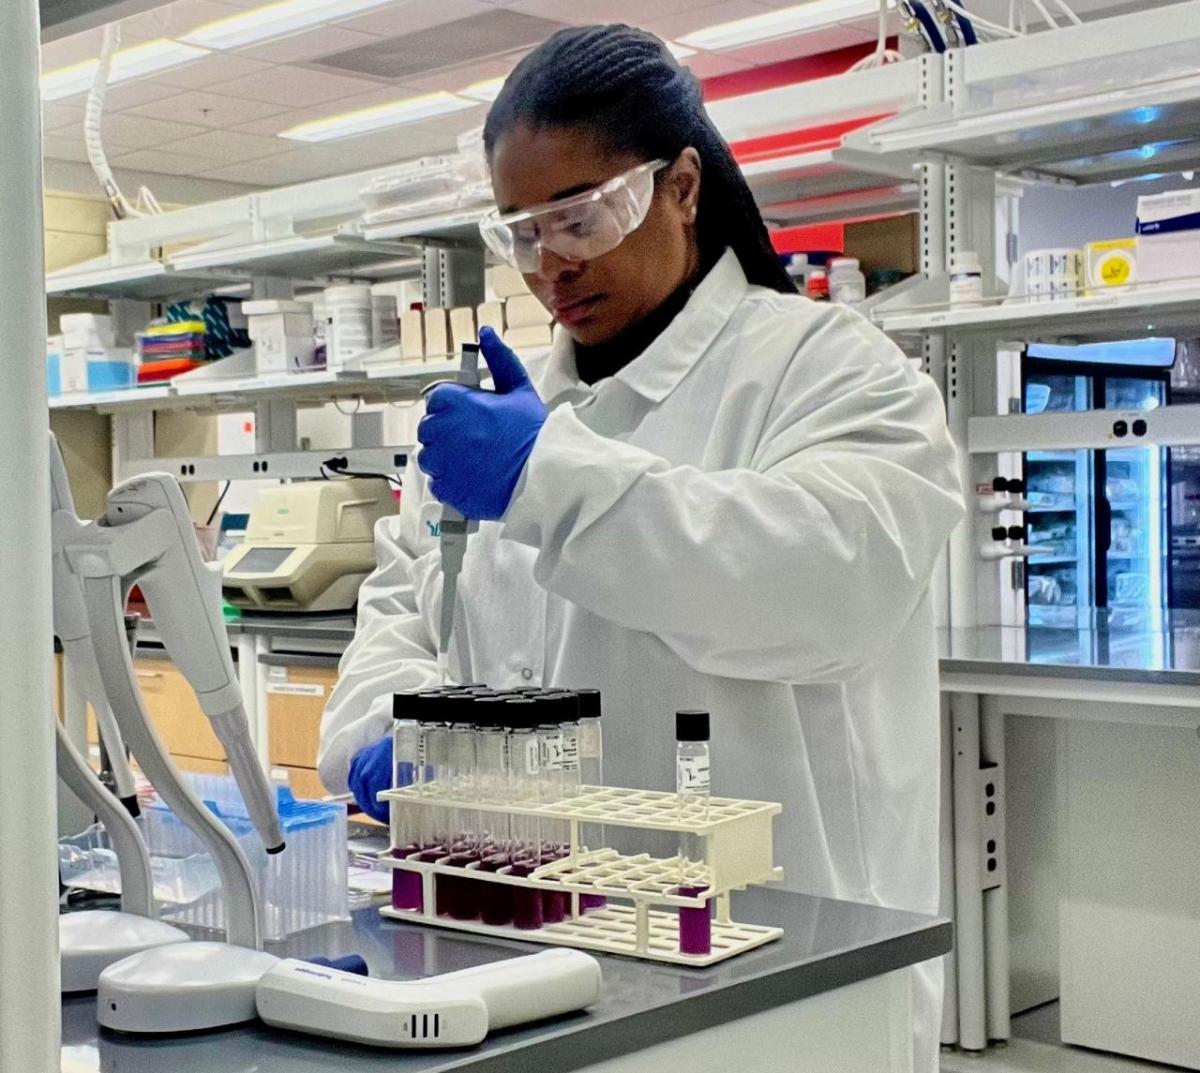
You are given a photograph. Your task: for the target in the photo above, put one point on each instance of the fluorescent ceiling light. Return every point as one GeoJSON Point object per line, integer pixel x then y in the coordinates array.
{"type": "Point", "coordinates": [410, 110]}
{"type": "Point", "coordinates": [483, 91]}
{"type": "Point", "coordinates": [786, 22]}
{"type": "Point", "coordinates": [275, 20]}
{"type": "Point", "coordinates": [135, 62]}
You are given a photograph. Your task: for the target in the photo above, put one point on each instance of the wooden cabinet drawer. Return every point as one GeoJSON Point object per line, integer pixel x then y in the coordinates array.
{"type": "Point", "coordinates": [295, 703]}
{"type": "Point", "coordinates": [200, 765]}
{"type": "Point", "coordinates": [182, 725]}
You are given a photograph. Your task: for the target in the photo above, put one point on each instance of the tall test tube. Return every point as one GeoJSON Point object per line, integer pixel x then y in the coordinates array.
{"type": "Point", "coordinates": [405, 822]}
{"type": "Point", "coordinates": [522, 718]}
{"type": "Point", "coordinates": [693, 768]}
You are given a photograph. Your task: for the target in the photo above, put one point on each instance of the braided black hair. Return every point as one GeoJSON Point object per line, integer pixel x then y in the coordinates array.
{"type": "Point", "coordinates": [625, 85]}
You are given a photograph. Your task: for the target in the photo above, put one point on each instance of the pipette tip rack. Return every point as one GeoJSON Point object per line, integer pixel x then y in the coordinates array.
{"type": "Point", "coordinates": [669, 912]}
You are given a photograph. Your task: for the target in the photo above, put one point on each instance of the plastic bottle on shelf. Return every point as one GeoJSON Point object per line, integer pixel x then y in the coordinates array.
{"type": "Point", "coordinates": [817, 285]}
{"type": "Point", "coordinates": [521, 718]}
{"type": "Point", "coordinates": [798, 269]}
{"type": "Point", "coordinates": [693, 768]}
{"type": "Point", "coordinates": [966, 279]}
{"type": "Point", "coordinates": [847, 285]}
{"type": "Point", "coordinates": [405, 825]}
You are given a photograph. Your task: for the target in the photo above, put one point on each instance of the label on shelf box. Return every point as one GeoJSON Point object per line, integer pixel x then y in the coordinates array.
{"type": "Point", "coordinates": [296, 689]}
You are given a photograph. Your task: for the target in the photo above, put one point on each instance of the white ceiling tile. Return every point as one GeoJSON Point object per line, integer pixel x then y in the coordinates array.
{"type": "Point", "coordinates": [211, 71]}
{"type": "Point", "coordinates": [713, 65]}
{"type": "Point", "coordinates": [294, 87]}
{"type": "Point", "coordinates": [207, 109]}
{"type": "Point", "coordinates": [676, 25]}
{"type": "Point", "coordinates": [636, 12]}
{"type": "Point", "coordinates": [68, 51]}
{"type": "Point", "coordinates": [409, 16]}
{"type": "Point", "coordinates": [297, 166]}
{"type": "Point", "coordinates": [135, 92]}
{"type": "Point", "coordinates": [55, 148]}
{"type": "Point", "coordinates": [228, 146]}
{"type": "Point", "coordinates": [176, 19]}
{"type": "Point", "coordinates": [401, 143]}
{"type": "Point", "coordinates": [140, 132]}
{"type": "Point", "coordinates": [456, 78]}
{"type": "Point", "coordinates": [166, 163]}
{"type": "Point", "coordinates": [809, 44]}
{"type": "Point", "coordinates": [309, 45]}
{"type": "Point", "coordinates": [272, 125]}
{"type": "Point", "coordinates": [56, 115]}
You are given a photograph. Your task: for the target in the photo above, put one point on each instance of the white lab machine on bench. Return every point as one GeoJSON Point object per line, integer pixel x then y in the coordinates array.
{"type": "Point", "coordinates": [308, 545]}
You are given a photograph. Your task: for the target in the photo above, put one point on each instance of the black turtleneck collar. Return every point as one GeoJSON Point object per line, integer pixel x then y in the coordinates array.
{"type": "Point", "coordinates": [595, 363]}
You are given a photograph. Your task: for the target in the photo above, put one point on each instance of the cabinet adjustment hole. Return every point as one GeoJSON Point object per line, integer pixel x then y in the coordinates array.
{"type": "Point", "coordinates": [990, 808]}
{"type": "Point", "coordinates": [1120, 429]}
{"type": "Point", "coordinates": [990, 789]}
{"type": "Point", "coordinates": [1139, 427]}
{"type": "Point", "coordinates": [991, 845]}
{"type": "Point", "coordinates": [991, 864]}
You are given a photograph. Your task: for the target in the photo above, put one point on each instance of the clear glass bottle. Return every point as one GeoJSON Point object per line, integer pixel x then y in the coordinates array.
{"type": "Point", "coordinates": [693, 774]}
{"type": "Point", "coordinates": [591, 773]}
{"type": "Point", "coordinates": [461, 779]}
{"type": "Point", "coordinates": [494, 784]}
{"type": "Point", "coordinates": [405, 822]}
{"type": "Point", "coordinates": [521, 720]}
{"type": "Point", "coordinates": [559, 715]}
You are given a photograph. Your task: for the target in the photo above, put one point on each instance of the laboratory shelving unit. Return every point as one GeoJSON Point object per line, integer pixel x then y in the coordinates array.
{"type": "Point", "coordinates": [737, 841]}
{"type": "Point", "coordinates": [1111, 100]}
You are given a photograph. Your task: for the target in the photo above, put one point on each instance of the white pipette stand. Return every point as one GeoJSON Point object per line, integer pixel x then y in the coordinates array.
{"type": "Point", "coordinates": [92, 939]}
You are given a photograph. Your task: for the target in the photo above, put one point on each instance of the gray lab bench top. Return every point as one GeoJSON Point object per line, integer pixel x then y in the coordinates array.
{"type": "Point", "coordinates": [1118, 648]}
{"type": "Point", "coordinates": [826, 944]}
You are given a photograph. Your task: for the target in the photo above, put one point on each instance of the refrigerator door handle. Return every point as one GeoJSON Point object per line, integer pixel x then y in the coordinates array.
{"type": "Point", "coordinates": [1103, 523]}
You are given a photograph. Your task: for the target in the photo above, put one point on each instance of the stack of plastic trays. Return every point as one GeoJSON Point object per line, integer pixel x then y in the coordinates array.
{"type": "Point", "coordinates": [302, 887]}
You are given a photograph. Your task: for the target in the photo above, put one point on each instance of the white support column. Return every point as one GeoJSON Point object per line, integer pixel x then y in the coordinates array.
{"type": "Point", "coordinates": [995, 873]}
{"type": "Point", "coordinates": [968, 898]}
{"type": "Point", "coordinates": [29, 987]}
{"type": "Point", "coordinates": [132, 442]}
{"type": "Point", "coordinates": [946, 907]}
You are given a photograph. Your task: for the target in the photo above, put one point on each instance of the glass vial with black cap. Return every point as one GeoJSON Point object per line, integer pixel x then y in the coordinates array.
{"type": "Point", "coordinates": [693, 776]}
{"type": "Point", "coordinates": [405, 822]}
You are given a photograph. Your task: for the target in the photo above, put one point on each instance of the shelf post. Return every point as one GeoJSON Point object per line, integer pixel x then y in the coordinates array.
{"type": "Point", "coordinates": [30, 1023]}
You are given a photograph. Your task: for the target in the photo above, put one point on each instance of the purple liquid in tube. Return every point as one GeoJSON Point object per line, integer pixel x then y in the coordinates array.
{"type": "Point", "coordinates": [588, 902]}
{"type": "Point", "coordinates": [495, 899]}
{"type": "Point", "coordinates": [461, 899]}
{"type": "Point", "coordinates": [407, 891]}
{"type": "Point", "coordinates": [695, 925]}
{"type": "Point", "coordinates": [527, 903]}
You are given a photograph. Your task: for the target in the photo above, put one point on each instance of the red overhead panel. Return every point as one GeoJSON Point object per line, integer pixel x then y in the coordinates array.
{"type": "Point", "coordinates": [787, 73]}
{"type": "Point", "coordinates": [808, 140]}
{"type": "Point", "coordinates": [810, 237]}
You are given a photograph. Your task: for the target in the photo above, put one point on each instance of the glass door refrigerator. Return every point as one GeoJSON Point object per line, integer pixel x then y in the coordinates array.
{"type": "Point", "coordinates": [1098, 517]}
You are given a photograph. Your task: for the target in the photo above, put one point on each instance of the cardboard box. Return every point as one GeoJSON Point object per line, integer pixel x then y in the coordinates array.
{"type": "Point", "coordinates": [1168, 227]}
{"type": "Point", "coordinates": [893, 242]}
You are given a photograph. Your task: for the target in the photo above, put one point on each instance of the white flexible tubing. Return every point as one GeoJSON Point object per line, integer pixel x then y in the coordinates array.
{"type": "Point", "coordinates": [1050, 20]}
{"type": "Point", "coordinates": [977, 21]}
{"type": "Point", "coordinates": [93, 115]}
{"type": "Point", "coordinates": [882, 53]}
{"type": "Point", "coordinates": [1066, 10]}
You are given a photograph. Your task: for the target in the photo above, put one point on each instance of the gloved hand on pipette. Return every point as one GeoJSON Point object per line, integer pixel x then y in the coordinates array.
{"type": "Point", "coordinates": [475, 443]}
{"type": "Point", "coordinates": [370, 772]}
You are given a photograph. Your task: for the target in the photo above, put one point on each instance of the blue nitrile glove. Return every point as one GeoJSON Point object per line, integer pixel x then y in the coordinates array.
{"type": "Point", "coordinates": [475, 443]}
{"type": "Point", "coordinates": [370, 772]}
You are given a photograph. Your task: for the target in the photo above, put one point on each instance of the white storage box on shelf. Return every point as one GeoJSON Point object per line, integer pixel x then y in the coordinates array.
{"type": "Point", "coordinates": [282, 333]}
{"type": "Point", "coordinates": [302, 887]}
{"type": "Point", "coordinates": [412, 335]}
{"type": "Point", "coordinates": [348, 331]}
{"type": "Point", "coordinates": [490, 315]}
{"type": "Point", "coordinates": [385, 320]}
{"type": "Point", "coordinates": [419, 188]}
{"type": "Point", "coordinates": [86, 331]}
{"type": "Point", "coordinates": [526, 311]}
{"type": "Point", "coordinates": [462, 327]}
{"type": "Point", "coordinates": [437, 332]}
{"type": "Point", "coordinates": [525, 338]}
{"type": "Point", "coordinates": [738, 852]}
{"type": "Point", "coordinates": [507, 282]}
{"type": "Point", "coordinates": [1168, 226]}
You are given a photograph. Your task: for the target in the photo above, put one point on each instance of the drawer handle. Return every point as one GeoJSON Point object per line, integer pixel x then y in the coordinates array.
{"type": "Point", "coordinates": [150, 674]}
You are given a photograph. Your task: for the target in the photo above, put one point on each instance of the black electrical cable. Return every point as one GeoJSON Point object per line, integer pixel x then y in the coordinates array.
{"type": "Point", "coordinates": [217, 504]}
{"type": "Point", "coordinates": [333, 468]}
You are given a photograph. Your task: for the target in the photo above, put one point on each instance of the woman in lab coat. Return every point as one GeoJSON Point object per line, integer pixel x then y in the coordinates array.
{"type": "Point", "coordinates": [711, 493]}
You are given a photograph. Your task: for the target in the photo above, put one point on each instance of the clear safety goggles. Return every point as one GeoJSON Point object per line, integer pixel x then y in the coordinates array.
{"type": "Point", "coordinates": [577, 228]}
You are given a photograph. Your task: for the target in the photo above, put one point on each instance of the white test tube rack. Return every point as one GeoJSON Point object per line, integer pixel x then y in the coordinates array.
{"type": "Point", "coordinates": [641, 914]}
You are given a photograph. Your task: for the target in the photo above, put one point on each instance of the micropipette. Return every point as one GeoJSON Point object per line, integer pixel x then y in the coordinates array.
{"type": "Point", "coordinates": [454, 530]}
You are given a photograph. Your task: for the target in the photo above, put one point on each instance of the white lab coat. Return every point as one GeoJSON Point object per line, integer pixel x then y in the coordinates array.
{"type": "Point", "coordinates": [744, 519]}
